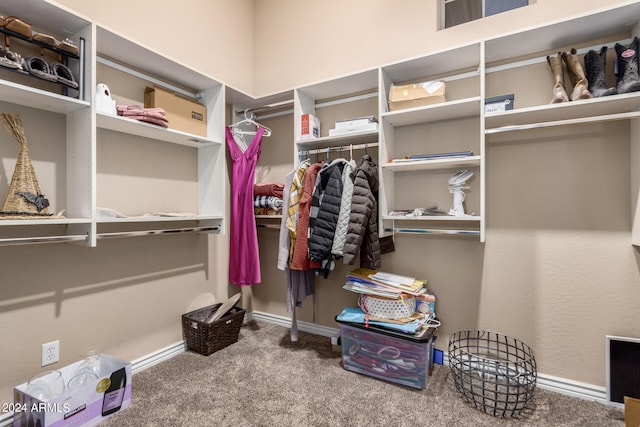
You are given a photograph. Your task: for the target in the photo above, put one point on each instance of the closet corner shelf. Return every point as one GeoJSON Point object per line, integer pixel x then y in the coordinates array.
{"type": "Point", "coordinates": [469, 218]}
{"type": "Point", "coordinates": [28, 96]}
{"type": "Point", "coordinates": [572, 110]}
{"type": "Point", "coordinates": [454, 162]}
{"type": "Point", "coordinates": [268, 216]}
{"type": "Point", "coordinates": [156, 218]}
{"type": "Point", "coordinates": [456, 109]}
{"type": "Point", "coordinates": [335, 141]}
{"type": "Point", "coordinates": [154, 132]}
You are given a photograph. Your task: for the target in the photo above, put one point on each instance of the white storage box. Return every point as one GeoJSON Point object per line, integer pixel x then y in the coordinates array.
{"type": "Point", "coordinates": [86, 405]}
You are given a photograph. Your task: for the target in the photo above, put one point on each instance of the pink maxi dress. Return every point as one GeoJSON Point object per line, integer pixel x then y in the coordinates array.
{"type": "Point", "coordinates": [244, 258]}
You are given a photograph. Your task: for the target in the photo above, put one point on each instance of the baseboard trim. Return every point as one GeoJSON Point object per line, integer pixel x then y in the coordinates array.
{"type": "Point", "coordinates": [312, 328]}
{"type": "Point", "coordinates": [564, 386]}
{"type": "Point", "coordinates": [166, 353]}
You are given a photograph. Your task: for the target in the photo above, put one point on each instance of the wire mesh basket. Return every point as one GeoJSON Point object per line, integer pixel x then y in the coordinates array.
{"type": "Point", "coordinates": [495, 373]}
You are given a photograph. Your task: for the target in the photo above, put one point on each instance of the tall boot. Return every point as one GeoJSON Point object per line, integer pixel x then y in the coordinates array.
{"type": "Point", "coordinates": [559, 94]}
{"type": "Point", "coordinates": [576, 76]}
{"type": "Point", "coordinates": [595, 64]}
{"type": "Point", "coordinates": [628, 80]}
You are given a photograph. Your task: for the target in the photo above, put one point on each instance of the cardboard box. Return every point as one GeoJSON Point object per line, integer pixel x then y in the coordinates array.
{"type": "Point", "coordinates": [631, 412]}
{"type": "Point", "coordinates": [416, 95]}
{"type": "Point", "coordinates": [87, 405]}
{"type": "Point", "coordinates": [498, 103]}
{"type": "Point", "coordinates": [309, 127]}
{"type": "Point", "coordinates": [184, 114]}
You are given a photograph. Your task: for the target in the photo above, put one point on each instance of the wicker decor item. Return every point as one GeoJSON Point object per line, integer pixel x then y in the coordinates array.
{"type": "Point", "coordinates": [388, 308]}
{"type": "Point", "coordinates": [24, 198]}
{"type": "Point", "coordinates": [207, 338]}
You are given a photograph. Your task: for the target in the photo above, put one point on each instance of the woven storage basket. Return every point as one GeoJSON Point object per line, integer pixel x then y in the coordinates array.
{"type": "Point", "coordinates": [207, 338]}
{"type": "Point", "coordinates": [388, 308]}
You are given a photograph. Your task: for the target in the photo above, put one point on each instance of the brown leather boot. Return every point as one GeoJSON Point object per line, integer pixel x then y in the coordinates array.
{"type": "Point", "coordinates": [576, 75]}
{"type": "Point", "coordinates": [559, 94]}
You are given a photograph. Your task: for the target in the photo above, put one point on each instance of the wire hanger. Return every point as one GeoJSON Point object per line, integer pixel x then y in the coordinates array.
{"type": "Point", "coordinates": [249, 119]}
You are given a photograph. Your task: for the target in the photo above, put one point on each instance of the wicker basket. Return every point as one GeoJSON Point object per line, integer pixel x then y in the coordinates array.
{"type": "Point", "coordinates": [207, 338]}
{"type": "Point", "coordinates": [495, 373]}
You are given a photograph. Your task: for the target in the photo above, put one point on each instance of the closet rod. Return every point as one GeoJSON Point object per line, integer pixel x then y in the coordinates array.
{"type": "Point", "coordinates": [152, 232]}
{"type": "Point", "coordinates": [42, 239]}
{"type": "Point", "coordinates": [432, 231]}
{"type": "Point", "coordinates": [540, 59]}
{"type": "Point", "coordinates": [581, 120]}
{"type": "Point", "coordinates": [266, 108]}
{"type": "Point", "coordinates": [138, 74]}
{"type": "Point", "coordinates": [345, 147]}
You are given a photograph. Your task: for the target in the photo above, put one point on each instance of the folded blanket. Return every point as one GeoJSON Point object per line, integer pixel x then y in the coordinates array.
{"type": "Point", "coordinates": [267, 202]}
{"type": "Point", "coordinates": [268, 189]}
{"type": "Point", "coordinates": [156, 116]}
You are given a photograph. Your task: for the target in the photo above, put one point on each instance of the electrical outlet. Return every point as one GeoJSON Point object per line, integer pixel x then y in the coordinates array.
{"type": "Point", "coordinates": [50, 352]}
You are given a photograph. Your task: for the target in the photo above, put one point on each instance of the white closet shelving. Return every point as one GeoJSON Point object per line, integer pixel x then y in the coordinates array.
{"type": "Point", "coordinates": [78, 177]}
{"type": "Point", "coordinates": [426, 130]}
{"type": "Point", "coordinates": [509, 63]}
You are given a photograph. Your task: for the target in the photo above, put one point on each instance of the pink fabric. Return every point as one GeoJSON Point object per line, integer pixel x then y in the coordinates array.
{"type": "Point", "coordinates": [156, 115]}
{"type": "Point", "coordinates": [244, 258]}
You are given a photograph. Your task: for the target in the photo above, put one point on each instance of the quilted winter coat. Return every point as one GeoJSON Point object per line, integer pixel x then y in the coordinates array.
{"type": "Point", "coordinates": [327, 198]}
{"type": "Point", "coordinates": [362, 234]}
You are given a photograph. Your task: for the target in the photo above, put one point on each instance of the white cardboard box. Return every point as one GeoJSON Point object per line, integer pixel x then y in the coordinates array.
{"type": "Point", "coordinates": [353, 129]}
{"type": "Point", "coordinates": [85, 406]}
{"type": "Point", "coordinates": [309, 127]}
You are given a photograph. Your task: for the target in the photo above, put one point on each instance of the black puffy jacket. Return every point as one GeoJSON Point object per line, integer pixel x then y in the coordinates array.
{"type": "Point", "coordinates": [327, 198]}
{"type": "Point", "coordinates": [362, 234]}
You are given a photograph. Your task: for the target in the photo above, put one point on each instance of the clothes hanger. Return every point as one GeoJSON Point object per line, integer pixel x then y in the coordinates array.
{"type": "Point", "coordinates": [249, 119]}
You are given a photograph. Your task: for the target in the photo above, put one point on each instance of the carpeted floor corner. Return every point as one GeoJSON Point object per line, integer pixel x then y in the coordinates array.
{"type": "Point", "coordinates": [266, 380]}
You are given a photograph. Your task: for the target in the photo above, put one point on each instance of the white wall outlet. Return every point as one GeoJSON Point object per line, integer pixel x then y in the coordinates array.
{"type": "Point", "coordinates": [50, 352]}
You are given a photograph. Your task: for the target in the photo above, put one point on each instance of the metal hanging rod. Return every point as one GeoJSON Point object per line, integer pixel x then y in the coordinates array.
{"type": "Point", "coordinates": [155, 232]}
{"type": "Point", "coordinates": [540, 59]}
{"type": "Point", "coordinates": [346, 147]}
{"type": "Point", "coordinates": [432, 231]}
{"type": "Point", "coordinates": [42, 239]}
{"type": "Point", "coordinates": [581, 120]}
{"type": "Point", "coordinates": [146, 77]}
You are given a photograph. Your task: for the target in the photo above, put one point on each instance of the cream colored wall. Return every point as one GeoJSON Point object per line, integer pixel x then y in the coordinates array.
{"type": "Point", "coordinates": [214, 37]}
{"type": "Point", "coordinates": [318, 41]}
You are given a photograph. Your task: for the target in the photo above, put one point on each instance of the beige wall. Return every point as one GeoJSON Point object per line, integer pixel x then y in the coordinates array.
{"type": "Point", "coordinates": [214, 37]}
{"type": "Point", "coordinates": [321, 40]}
{"type": "Point", "coordinates": [557, 271]}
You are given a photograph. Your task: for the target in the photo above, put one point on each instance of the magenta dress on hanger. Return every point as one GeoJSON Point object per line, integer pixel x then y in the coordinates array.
{"type": "Point", "coordinates": [244, 258]}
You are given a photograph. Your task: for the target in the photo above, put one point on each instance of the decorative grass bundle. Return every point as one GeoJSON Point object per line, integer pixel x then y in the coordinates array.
{"type": "Point", "coordinates": [24, 198]}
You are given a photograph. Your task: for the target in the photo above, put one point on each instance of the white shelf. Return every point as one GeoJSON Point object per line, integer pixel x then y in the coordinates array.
{"type": "Point", "coordinates": [337, 141]}
{"type": "Point", "coordinates": [433, 113]}
{"type": "Point", "coordinates": [40, 99]}
{"type": "Point", "coordinates": [154, 132]}
{"type": "Point", "coordinates": [592, 108]}
{"type": "Point", "coordinates": [470, 161]}
{"type": "Point", "coordinates": [152, 218]}
{"type": "Point", "coordinates": [40, 221]}
{"type": "Point", "coordinates": [469, 218]}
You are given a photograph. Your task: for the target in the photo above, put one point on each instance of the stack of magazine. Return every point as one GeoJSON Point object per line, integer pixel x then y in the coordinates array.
{"type": "Point", "coordinates": [381, 284]}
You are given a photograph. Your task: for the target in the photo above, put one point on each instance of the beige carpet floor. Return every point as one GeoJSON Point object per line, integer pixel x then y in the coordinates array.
{"type": "Point", "coordinates": [266, 380]}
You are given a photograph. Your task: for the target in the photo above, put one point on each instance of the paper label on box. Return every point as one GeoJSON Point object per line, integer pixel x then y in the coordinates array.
{"type": "Point", "coordinates": [432, 86]}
